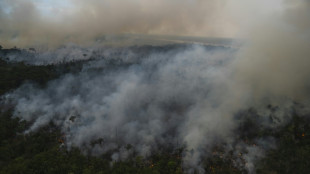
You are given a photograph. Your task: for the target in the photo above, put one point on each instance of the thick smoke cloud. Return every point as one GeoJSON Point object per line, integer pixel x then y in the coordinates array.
{"type": "Point", "coordinates": [25, 23]}
{"type": "Point", "coordinates": [154, 102]}
{"type": "Point", "coordinates": [191, 97]}
{"type": "Point", "coordinates": [276, 57]}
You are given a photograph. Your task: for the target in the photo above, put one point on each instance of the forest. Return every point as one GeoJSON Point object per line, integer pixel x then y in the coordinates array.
{"type": "Point", "coordinates": [44, 150]}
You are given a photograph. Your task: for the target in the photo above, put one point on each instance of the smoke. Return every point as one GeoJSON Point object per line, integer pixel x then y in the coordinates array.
{"type": "Point", "coordinates": [274, 61]}
{"type": "Point", "coordinates": [150, 102]}
{"type": "Point", "coordinates": [31, 23]}
{"type": "Point", "coordinates": [192, 96]}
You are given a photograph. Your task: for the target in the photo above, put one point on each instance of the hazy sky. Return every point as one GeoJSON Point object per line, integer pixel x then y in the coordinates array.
{"type": "Point", "coordinates": [52, 7]}
{"type": "Point", "coordinates": [31, 22]}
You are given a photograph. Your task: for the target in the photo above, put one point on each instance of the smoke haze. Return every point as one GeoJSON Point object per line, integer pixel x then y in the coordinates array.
{"type": "Point", "coordinates": [26, 22]}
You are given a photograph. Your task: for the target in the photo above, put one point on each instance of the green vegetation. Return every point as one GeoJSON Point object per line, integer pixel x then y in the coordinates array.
{"type": "Point", "coordinates": [43, 152]}
{"type": "Point", "coordinates": [14, 74]}
{"type": "Point", "coordinates": [292, 154]}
